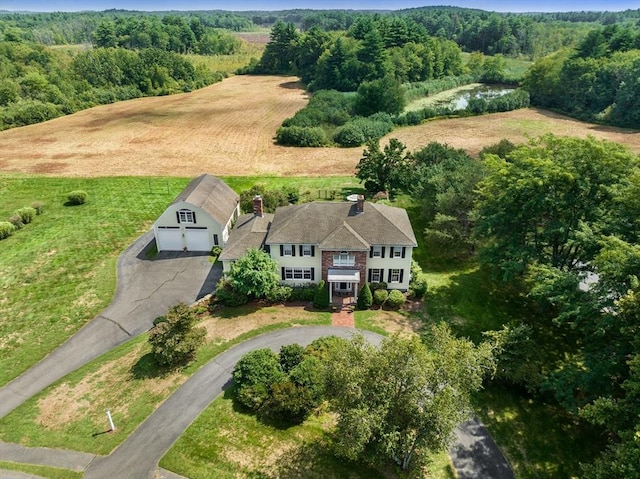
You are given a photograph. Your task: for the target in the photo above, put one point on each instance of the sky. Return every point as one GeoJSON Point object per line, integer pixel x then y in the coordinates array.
{"type": "Point", "coordinates": [240, 5]}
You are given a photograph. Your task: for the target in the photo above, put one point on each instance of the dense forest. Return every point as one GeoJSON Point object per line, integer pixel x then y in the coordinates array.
{"type": "Point", "coordinates": [555, 227]}
{"type": "Point", "coordinates": [594, 56]}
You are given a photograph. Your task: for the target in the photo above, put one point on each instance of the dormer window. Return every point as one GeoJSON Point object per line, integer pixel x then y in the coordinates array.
{"type": "Point", "coordinates": [186, 216]}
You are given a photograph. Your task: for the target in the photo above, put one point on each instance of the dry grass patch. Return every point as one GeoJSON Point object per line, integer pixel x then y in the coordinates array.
{"type": "Point", "coordinates": [222, 327]}
{"type": "Point", "coordinates": [474, 133]}
{"type": "Point", "coordinates": [227, 128]}
{"type": "Point", "coordinates": [112, 386]}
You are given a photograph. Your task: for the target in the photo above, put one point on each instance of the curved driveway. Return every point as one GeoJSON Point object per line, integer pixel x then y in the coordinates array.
{"type": "Point", "coordinates": [146, 289]}
{"type": "Point", "coordinates": [139, 455]}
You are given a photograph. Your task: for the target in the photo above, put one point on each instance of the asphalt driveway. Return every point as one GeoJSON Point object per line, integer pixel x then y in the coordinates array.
{"type": "Point", "coordinates": [147, 288]}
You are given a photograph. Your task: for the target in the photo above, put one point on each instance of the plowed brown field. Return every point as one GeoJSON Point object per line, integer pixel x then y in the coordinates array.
{"type": "Point", "coordinates": [228, 129]}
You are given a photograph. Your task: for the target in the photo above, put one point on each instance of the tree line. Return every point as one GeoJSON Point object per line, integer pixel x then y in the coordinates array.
{"type": "Point", "coordinates": [598, 80]}
{"type": "Point", "coordinates": [39, 83]}
{"type": "Point", "coordinates": [170, 32]}
{"type": "Point", "coordinates": [66, 28]}
{"type": "Point", "coordinates": [554, 222]}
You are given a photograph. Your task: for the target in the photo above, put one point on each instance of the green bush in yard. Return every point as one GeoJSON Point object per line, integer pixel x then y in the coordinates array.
{"type": "Point", "coordinates": [77, 197]}
{"type": "Point", "coordinates": [290, 356]}
{"type": "Point", "coordinates": [16, 221]}
{"type": "Point", "coordinates": [321, 297]}
{"type": "Point", "coordinates": [175, 340]}
{"type": "Point", "coordinates": [6, 229]}
{"type": "Point", "coordinates": [395, 299]}
{"type": "Point", "coordinates": [380, 296]}
{"type": "Point", "coordinates": [27, 214]}
{"type": "Point", "coordinates": [227, 295]}
{"type": "Point", "coordinates": [278, 294]}
{"type": "Point", "coordinates": [253, 376]}
{"type": "Point", "coordinates": [303, 293]}
{"type": "Point", "coordinates": [39, 207]}
{"type": "Point", "coordinates": [365, 298]}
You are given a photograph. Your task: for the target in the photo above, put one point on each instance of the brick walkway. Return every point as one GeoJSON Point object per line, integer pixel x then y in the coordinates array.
{"type": "Point", "coordinates": [344, 317]}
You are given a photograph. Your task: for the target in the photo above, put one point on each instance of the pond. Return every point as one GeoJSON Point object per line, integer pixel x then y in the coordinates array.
{"type": "Point", "coordinates": [458, 98]}
{"type": "Point", "coordinates": [461, 101]}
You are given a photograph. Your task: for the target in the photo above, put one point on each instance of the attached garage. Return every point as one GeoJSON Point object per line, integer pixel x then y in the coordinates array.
{"type": "Point", "coordinates": [169, 239]}
{"type": "Point", "coordinates": [197, 239]}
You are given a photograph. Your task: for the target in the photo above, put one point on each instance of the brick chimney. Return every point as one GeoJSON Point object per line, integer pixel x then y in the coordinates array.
{"type": "Point", "coordinates": [258, 209]}
{"type": "Point", "coordinates": [360, 204]}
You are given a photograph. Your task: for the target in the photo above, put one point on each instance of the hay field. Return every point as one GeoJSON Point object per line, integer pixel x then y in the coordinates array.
{"type": "Point", "coordinates": [224, 129]}
{"type": "Point", "coordinates": [228, 129]}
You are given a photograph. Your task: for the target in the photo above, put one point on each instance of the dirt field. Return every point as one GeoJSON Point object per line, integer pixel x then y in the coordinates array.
{"type": "Point", "coordinates": [228, 129]}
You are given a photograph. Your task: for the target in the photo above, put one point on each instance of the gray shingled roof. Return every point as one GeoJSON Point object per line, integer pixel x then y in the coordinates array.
{"type": "Point", "coordinates": [212, 195]}
{"type": "Point", "coordinates": [249, 231]}
{"type": "Point", "coordinates": [327, 224]}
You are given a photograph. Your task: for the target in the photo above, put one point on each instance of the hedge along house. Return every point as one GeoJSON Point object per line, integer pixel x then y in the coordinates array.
{"type": "Point", "coordinates": [343, 243]}
{"type": "Point", "coordinates": [200, 217]}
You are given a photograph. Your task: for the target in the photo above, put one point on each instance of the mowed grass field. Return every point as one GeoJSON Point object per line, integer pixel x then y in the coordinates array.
{"type": "Point", "coordinates": [228, 129]}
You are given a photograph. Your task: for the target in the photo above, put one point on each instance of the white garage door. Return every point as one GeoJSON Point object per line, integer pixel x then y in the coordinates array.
{"type": "Point", "coordinates": [197, 239]}
{"type": "Point", "coordinates": [169, 239]}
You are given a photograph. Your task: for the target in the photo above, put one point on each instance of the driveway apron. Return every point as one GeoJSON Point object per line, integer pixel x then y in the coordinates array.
{"type": "Point", "coordinates": [147, 288]}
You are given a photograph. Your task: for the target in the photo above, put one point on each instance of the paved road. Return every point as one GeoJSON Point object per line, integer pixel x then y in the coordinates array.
{"type": "Point", "coordinates": [146, 289]}
{"type": "Point", "coordinates": [476, 455]}
{"type": "Point", "coordinates": [138, 456]}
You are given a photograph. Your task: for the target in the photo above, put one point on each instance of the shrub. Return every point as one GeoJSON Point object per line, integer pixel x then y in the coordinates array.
{"type": "Point", "coordinates": [301, 136]}
{"type": "Point", "coordinates": [27, 214]}
{"type": "Point", "coordinates": [321, 297]}
{"type": "Point", "coordinates": [348, 135]}
{"type": "Point", "coordinates": [290, 356]}
{"type": "Point", "coordinates": [303, 293]}
{"type": "Point", "coordinates": [380, 296]}
{"type": "Point", "coordinates": [16, 221]}
{"type": "Point", "coordinates": [77, 197]}
{"type": "Point", "coordinates": [395, 299]}
{"type": "Point", "coordinates": [254, 375]}
{"type": "Point", "coordinates": [325, 347]}
{"type": "Point", "coordinates": [39, 207]}
{"type": "Point", "coordinates": [271, 199]}
{"type": "Point", "coordinates": [377, 286]}
{"type": "Point", "coordinates": [278, 294]}
{"type": "Point", "coordinates": [365, 298]}
{"type": "Point", "coordinates": [418, 287]}
{"type": "Point", "coordinates": [229, 296]}
{"type": "Point", "coordinates": [418, 283]}
{"type": "Point", "coordinates": [361, 130]}
{"type": "Point", "coordinates": [175, 340]}
{"type": "Point", "coordinates": [6, 229]}
{"type": "Point", "coordinates": [294, 400]}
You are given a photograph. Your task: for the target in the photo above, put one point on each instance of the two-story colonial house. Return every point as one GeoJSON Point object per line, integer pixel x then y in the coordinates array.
{"type": "Point", "coordinates": [342, 243]}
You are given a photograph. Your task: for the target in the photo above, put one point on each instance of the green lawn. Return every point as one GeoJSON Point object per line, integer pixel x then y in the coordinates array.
{"type": "Point", "coordinates": [225, 442]}
{"type": "Point", "coordinates": [59, 271]}
{"type": "Point", "coordinates": [539, 440]}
